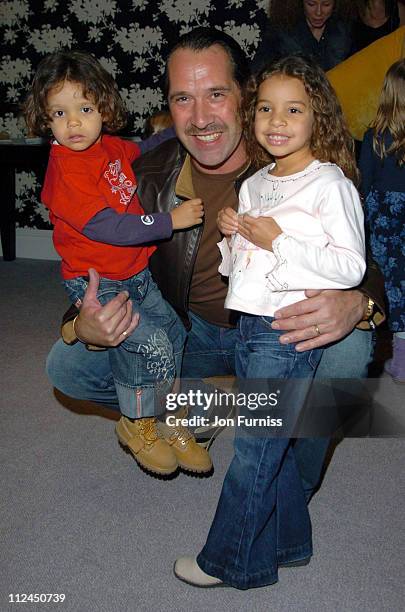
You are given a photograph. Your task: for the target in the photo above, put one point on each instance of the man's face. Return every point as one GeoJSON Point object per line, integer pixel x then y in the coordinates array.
{"type": "Point", "coordinates": [204, 102]}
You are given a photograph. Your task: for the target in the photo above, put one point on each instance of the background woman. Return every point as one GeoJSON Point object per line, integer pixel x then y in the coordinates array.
{"type": "Point", "coordinates": [317, 28]}
{"type": "Point", "coordinates": [375, 18]}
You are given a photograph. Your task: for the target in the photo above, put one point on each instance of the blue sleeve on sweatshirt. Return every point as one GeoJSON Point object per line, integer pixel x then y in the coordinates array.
{"type": "Point", "coordinates": [125, 230]}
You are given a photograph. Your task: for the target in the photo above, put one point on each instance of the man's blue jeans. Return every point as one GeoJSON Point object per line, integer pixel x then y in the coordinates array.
{"type": "Point", "coordinates": [145, 364]}
{"type": "Point", "coordinates": [209, 351]}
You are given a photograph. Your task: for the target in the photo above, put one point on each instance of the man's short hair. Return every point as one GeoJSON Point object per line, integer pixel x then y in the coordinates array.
{"type": "Point", "coordinates": [204, 38]}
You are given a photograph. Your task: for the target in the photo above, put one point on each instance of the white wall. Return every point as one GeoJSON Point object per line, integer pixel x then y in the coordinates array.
{"type": "Point", "coordinates": [34, 244]}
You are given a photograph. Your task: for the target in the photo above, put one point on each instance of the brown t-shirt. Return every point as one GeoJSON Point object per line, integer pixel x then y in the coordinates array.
{"type": "Point", "coordinates": [208, 288]}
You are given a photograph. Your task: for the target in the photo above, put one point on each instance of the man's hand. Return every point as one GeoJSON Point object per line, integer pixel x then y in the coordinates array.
{"type": "Point", "coordinates": [105, 325]}
{"type": "Point", "coordinates": [326, 316]}
{"type": "Point", "coordinates": [261, 231]}
{"type": "Point", "coordinates": [227, 221]}
{"type": "Point", "coordinates": [188, 214]}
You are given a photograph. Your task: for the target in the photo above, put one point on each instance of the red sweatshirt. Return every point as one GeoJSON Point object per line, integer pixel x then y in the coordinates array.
{"type": "Point", "coordinates": [78, 186]}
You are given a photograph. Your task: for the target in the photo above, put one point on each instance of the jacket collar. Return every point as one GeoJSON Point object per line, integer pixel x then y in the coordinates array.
{"type": "Point", "coordinates": [184, 184]}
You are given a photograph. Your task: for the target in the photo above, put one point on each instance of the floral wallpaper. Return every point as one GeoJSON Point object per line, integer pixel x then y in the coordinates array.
{"type": "Point", "coordinates": [130, 38]}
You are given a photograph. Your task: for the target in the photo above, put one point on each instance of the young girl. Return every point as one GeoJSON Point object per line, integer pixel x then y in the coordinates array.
{"type": "Point", "coordinates": [299, 225]}
{"type": "Point", "coordinates": [382, 165]}
{"type": "Point", "coordinates": [90, 192]}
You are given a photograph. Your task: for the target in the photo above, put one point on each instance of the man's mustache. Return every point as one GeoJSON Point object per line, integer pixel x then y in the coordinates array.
{"type": "Point", "coordinates": [209, 129]}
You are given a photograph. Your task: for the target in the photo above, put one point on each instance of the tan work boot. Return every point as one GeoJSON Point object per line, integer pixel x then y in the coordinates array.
{"type": "Point", "coordinates": [146, 444]}
{"type": "Point", "coordinates": [190, 456]}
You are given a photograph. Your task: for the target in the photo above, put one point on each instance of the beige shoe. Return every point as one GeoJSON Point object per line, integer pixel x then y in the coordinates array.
{"type": "Point", "coordinates": [190, 456]}
{"type": "Point", "coordinates": [146, 444]}
{"type": "Point", "coordinates": [188, 570]}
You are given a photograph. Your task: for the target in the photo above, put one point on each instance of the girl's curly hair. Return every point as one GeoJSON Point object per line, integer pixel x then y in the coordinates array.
{"type": "Point", "coordinates": [331, 140]}
{"type": "Point", "coordinates": [391, 114]}
{"type": "Point", "coordinates": [76, 67]}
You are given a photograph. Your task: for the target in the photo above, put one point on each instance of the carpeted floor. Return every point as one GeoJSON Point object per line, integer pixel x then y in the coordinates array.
{"type": "Point", "coordinates": [78, 516]}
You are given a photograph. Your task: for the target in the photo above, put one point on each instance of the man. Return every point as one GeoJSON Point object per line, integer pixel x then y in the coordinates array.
{"type": "Point", "coordinates": [206, 72]}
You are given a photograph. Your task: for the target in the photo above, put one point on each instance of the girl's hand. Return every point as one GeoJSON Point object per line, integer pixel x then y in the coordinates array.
{"type": "Point", "coordinates": [261, 231]}
{"type": "Point", "coordinates": [227, 221]}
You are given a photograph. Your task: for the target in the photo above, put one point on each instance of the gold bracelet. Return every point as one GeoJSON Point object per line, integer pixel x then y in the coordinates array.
{"type": "Point", "coordinates": [368, 315]}
{"type": "Point", "coordinates": [369, 311]}
{"type": "Point", "coordinates": [74, 329]}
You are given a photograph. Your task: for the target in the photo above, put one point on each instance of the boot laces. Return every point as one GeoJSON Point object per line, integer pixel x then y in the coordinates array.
{"type": "Point", "coordinates": [149, 430]}
{"type": "Point", "coordinates": [181, 433]}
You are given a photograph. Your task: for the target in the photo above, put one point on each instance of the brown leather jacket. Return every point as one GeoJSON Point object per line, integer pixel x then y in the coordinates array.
{"type": "Point", "coordinates": [157, 173]}
{"type": "Point", "coordinates": [172, 264]}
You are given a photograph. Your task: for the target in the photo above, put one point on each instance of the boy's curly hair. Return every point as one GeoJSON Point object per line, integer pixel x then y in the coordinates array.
{"type": "Point", "coordinates": [77, 67]}
{"type": "Point", "coordinates": [331, 140]}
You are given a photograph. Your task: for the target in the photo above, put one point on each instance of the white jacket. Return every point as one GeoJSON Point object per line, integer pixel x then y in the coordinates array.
{"type": "Point", "coordinates": [321, 247]}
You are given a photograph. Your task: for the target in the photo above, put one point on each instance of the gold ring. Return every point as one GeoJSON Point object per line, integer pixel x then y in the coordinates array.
{"type": "Point", "coordinates": [317, 330]}
{"type": "Point", "coordinates": [124, 333]}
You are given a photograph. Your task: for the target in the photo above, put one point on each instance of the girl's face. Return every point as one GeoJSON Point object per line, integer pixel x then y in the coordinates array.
{"type": "Point", "coordinates": [317, 12]}
{"type": "Point", "coordinates": [75, 120]}
{"type": "Point", "coordinates": [284, 119]}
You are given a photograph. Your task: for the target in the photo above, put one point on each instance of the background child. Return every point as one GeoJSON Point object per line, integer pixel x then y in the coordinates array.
{"type": "Point", "coordinates": [309, 234]}
{"type": "Point", "coordinates": [158, 122]}
{"type": "Point", "coordinates": [90, 191]}
{"type": "Point", "coordinates": [383, 186]}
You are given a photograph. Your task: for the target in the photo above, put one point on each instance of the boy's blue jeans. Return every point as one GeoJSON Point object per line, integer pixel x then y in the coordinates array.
{"type": "Point", "coordinates": [262, 517]}
{"type": "Point", "coordinates": [145, 364]}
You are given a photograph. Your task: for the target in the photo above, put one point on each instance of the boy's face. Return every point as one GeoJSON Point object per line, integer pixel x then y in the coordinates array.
{"type": "Point", "coordinates": [75, 120]}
